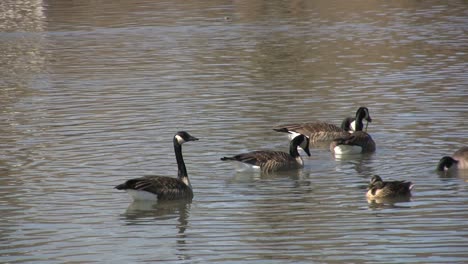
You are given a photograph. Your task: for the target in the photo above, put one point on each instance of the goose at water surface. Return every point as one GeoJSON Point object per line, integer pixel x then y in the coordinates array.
{"type": "Point", "coordinates": [322, 131]}
{"type": "Point", "coordinates": [378, 188]}
{"type": "Point", "coordinates": [155, 188]}
{"type": "Point", "coordinates": [270, 161]}
{"type": "Point", "coordinates": [356, 143]}
{"type": "Point", "coordinates": [459, 160]}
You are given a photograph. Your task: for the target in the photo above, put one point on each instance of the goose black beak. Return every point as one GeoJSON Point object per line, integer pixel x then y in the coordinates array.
{"type": "Point", "coordinates": [307, 151]}
{"type": "Point", "coordinates": [192, 138]}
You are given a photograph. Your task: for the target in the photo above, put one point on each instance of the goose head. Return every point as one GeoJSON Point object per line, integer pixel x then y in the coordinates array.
{"type": "Point", "coordinates": [181, 137]}
{"type": "Point", "coordinates": [361, 114]}
{"type": "Point", "coordinates": [446, 163]}
{"type": "Point", "coordinates": [375, 182]}
{"type": "Point", "coordinates": [302, 142]}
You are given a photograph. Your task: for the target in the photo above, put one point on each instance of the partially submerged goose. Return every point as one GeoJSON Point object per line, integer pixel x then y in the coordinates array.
{"type": "Point", "coordinates": [459, 160]}
{"type": "Point", "coordinates": [322, 131]}
{"type": "Point", "coordinates": [161, 187]}
{"type": "Point", "coordinates": [269, 161]}
{"type": "Point", "coordinates": [356, 143]}
{"type": "Point", "coordinates": [378, 188]}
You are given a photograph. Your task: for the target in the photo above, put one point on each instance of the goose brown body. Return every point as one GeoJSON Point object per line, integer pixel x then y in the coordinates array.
{"type": "Point", "coordinates": [316, 131]}
{"type": "Point", "coordinates": [323, 131]}
{"type": "Point", "coordinates": [164, 188]}
{"type": "Point", "coordinates": [358, 142]}
{"type": "Point", "coordinates": [269, 161]}
{"type": "Point", "coordinates": [378, 188]}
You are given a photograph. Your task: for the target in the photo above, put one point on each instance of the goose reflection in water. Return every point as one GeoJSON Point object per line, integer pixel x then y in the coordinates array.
{"type": "Point", "coordinates": [388, 202]}
{"type": "Point", "coordinates": [144, 212]}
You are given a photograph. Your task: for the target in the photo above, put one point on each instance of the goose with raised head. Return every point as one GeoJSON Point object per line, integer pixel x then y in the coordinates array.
{"type": "Point", "coordinates": [459, 160]}
{"type": "Point", "coordinates": [161, 187]}
{"type": "Point", "coordinates": [270, 161]}
{"type": "Point", "coordinates": [322, 131]}
{"type": "Point", "coordinates": [356, 143]}
{"type": "Point", "coordinates": [378, 188]}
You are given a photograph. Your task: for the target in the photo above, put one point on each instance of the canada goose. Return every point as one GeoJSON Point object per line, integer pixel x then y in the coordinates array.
{"type": "Point", "coordinates": [269, 161]}
{"type": "Point", "coordinates": [358, 142]}
{"type": "Point", "coordinates": [459, 160]}
{"type": "Point", "coordinates": [378, 188]}
{"type": "Point", "coordinates": [161, 187]}
{"type": "Point", "coordinates": [322, 131]}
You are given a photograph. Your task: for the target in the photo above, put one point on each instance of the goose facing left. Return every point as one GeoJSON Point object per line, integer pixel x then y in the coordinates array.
{"type": "Point", "coordinates": [378, 188]}
{"type": "Point", "coordinates": [270, 161]}
{"type": "Point", "coordinates": [155, 188]}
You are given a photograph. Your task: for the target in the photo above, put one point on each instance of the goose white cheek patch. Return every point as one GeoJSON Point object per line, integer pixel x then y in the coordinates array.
{"type": "Point", "coordinates": [353, 126]}
{"type": "Point", "coordinates": [180, 140]}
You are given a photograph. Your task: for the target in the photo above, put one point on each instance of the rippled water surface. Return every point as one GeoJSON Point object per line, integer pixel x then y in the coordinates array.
{"type": "Point", "coordinates": [91, 93]}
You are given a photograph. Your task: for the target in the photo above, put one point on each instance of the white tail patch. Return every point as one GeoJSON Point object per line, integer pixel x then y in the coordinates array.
{"type": "Point", "coordinates": [347, 150]}
{"type": "Point", "coordinates": [142, 195]}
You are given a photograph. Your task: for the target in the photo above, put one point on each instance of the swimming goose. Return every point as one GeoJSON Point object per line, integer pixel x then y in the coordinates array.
{"type": "Point", "coordinates": [358, 142]}
{"type": "Point", "coordinates": [160, 187]}
{"type": "Point", "coordinates": [269, 161]}
{"type": "Point", "coordinates": [459, 160]}
{"type": "Point", "coordinates": [378, 188]}
{"type": "Point", "coordinates": [322, 131]}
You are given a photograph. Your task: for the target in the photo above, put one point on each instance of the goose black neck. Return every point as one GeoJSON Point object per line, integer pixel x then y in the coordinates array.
{"type": "Point", "coordinates": [358, 124]}
{"type": "Point", "coordinates": [182, 171]}
{"type": "Point", "coordinates": [293, 148]}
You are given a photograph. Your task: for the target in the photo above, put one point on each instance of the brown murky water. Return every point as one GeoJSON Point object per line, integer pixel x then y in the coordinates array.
{"type": "Point", "coordinates": [91, 93]}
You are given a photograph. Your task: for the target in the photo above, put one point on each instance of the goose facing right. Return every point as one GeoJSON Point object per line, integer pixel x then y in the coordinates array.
{"type": "Point", "coordinates": [322, 131]}
{"type": "Point", "coordinates": [156, 188]}
{"type": "Point", "coordinates": [459, 160]}
{"type": "Point", "coordinates": [270, 161]}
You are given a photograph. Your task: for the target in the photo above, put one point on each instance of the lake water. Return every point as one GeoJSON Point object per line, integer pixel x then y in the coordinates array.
{"type": "Point", "coordinates": [91, 93]}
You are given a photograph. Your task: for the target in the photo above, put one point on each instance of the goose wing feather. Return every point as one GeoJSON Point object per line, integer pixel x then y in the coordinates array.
{"type": "Point", "coordinates": [261, 157]}
{"type": "Point", "coordinates": [308, 128]}
{"type": "Point", "coordinates": [164, 187]}
{"type": "Point", "coordinates": [316, 131]}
